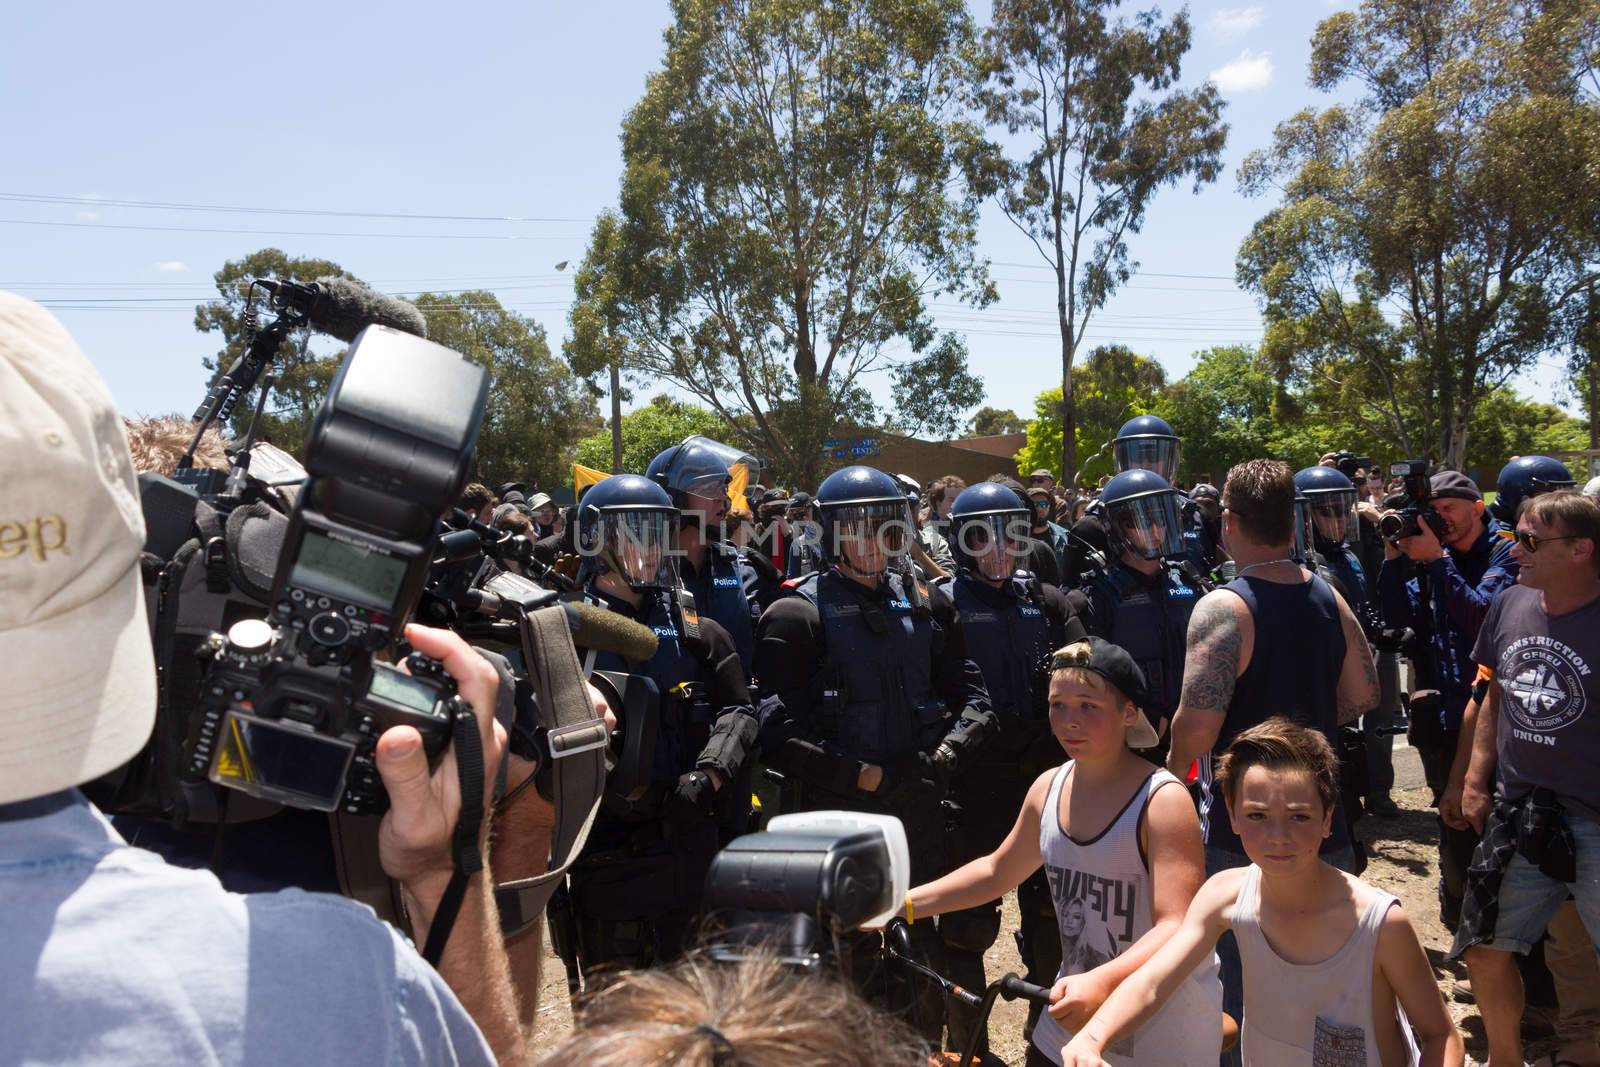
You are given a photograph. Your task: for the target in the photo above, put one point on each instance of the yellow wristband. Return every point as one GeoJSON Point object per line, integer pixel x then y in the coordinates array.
{"type": "Point", "coordinates": [911, 916]}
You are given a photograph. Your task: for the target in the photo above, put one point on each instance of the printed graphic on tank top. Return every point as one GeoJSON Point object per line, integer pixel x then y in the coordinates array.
{"type": "Point", "coordinates": [1101, 890]}
{"type": "Point", "coordinates": [1311, 1014]}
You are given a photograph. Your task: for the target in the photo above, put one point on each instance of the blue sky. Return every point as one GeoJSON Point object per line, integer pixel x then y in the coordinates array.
{"type": "Point", "coordinates": [510, 111]}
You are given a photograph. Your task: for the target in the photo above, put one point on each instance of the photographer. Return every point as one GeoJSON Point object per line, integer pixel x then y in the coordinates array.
{"type": "Point", "coordinates": [111, 955]}
{"type": "Point", "coordinates": [1442, 587]}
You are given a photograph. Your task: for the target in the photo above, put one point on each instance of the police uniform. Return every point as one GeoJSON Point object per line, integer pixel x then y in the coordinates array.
{"type": "Point", "coordinates": [1199, 539]}
{"type": "Point", "coordinates": [638, 885]}
{"type": "Point", "coordinates": [1010, 633]}
{"type": "Point", "coordinates": [852, 676]}
{"type": "Point", "coordinates": [1148, 615]}
{"type": "Point", "coordinates": [730, 591]}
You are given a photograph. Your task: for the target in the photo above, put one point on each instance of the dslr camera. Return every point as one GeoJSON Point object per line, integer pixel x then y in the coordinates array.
{"type": "Point", "coordinates": [1347, 463]}
{"type": "Point", "coordinates": [1407, 521]}
{"type": "Point", "coordinates": [292, 706]}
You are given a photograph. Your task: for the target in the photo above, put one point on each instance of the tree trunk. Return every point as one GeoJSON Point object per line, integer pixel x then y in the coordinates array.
{"type": "Point", "coordinates": [1069, 415]}
{"type": "Point", "coordinates": [1593, 401]}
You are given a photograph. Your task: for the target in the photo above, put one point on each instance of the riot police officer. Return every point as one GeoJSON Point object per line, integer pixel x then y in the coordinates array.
{"type": "Point", "coordinates": [638, 885]}
{"type": "Point", "coordinates": [1330, 528]}
{"type": "Point", "coordinates": [1143, 600]}
{"type": "Point", "coordinates": [723, 583]}
{"type": "Point", "coordinates": [1523, 479]}
{"type": "Point", "coordinates": [1148, 442]}
{"type": "Point", "coordinates": [1012, 622]}
{"type": "Point", "coordinates": [869, 702]}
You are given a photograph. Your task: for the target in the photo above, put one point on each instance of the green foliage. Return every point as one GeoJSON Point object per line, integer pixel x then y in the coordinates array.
{"type": "Point", "coordinates": [1090, 99]}
{"type": "Point", "coordinates": [1222, 410]}
{"type": "Point", "coordinates": [302, 374]}
{"type": "Point", "coordinates": [1508, 425]}
{"type": "Point", "coordinates": [930, 393]}
{"type": "Point", "coordinates": [1112, 385]}
{"type": "Point", "coordinates": [648, 431]}
{"type": "Point", "coordinates": [537, 407]}
{"type": "Point", "coordinates": [794, 192]}
{"type": "Point", "coordinates": [1433, 237]}
{"type": "Point", "coordinates": [993, 422]}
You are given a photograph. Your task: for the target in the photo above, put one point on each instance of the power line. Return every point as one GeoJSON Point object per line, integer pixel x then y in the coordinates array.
{"type": "Point", "coordinates": [1140, 273]}
{"type": "Point", "coordinates": [158, 205]}
{"type": "Point", "coordinates": [287, 233]}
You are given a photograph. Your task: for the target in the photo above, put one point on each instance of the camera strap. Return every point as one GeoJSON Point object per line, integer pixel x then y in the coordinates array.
{"type": "Point", "coordinates": [464, 850]}
{"type": "Point", "coordinates": [578, 747]}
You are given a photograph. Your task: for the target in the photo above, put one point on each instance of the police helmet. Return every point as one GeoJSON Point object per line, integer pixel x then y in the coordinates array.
{"type": "Point", "coordinates": [989, 514]}
{"type": "Point", "coordinates": [625, 525]}
{"type": "Point", "coordinates": [1331, 503]}
{"type": "Point", "coordinates": [1147, 442]}
{"type": "Point", "coordinates": [1525, 478]}
{"type": "Point", "coordinates": [1141, 514]}
{"type": "Point", "coordinates": [864, 507]}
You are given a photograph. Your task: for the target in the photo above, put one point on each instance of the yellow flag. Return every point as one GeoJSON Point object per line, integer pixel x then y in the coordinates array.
{"type": "Point", "coordinates": [736, 487]}
{"type": "Point", "coordinates": [583, 477]}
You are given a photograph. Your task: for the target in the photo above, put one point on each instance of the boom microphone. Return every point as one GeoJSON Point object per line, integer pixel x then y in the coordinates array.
{"type": "Point", "coordinates": [606, 631]}
{"type": "Point", "coordinates": [342, 308]}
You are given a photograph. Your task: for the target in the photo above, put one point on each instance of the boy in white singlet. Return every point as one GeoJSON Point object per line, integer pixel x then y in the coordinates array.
{"type": "Point", "coordinates": [1120, 844]}
{"type": "Point", "coordinates": [1334, 975]}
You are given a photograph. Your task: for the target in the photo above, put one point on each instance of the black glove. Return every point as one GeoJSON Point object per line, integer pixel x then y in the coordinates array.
{"type": "Point", "coordinates": [692, 802]}
{"type": "Point", "coordinates": [918, 777]}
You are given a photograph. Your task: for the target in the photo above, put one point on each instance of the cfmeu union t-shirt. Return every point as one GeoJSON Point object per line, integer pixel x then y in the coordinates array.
{"type": "Point", "coordinates": [1546, 668]}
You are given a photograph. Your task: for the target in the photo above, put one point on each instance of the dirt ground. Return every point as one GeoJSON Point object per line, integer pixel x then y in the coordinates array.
{"type": "Point", "coordinates": [1403, 860]}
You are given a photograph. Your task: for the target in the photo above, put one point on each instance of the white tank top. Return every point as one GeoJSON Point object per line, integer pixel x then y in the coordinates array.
{"type": "Point", "coordinates": [1310, 1014]}
{"type": "Point", "coordinates": [1101, 890]}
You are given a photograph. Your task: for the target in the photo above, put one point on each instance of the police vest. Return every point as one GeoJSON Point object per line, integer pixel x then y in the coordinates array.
{"type": "Point", "coordinates": [1347, 575]}
{"type": "Point", "coordinates": [1150, 622]}
{"type": "Point", "coordinates": [1009, 638]}
{"type": "Point", "coordinates": [874, 694]}
{"type": "Point", "coordinates": [725, 591]}
{"type": "Point", "coordinates": [682, 679]}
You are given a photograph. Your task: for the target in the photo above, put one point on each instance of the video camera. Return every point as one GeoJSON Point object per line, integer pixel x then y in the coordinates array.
{"type": "Point", "coordinates": [1407, 521]}
{"type": "Point", "coordinates": [291, 710]}
{"type": "Point", "coordinates": [1347, 463]}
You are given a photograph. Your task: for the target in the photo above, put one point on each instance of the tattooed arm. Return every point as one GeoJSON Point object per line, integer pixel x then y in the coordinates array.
{"type": "Point", "coordinates": [1220, 638]}
{"type": "Point", "coordinates": [1358, 678]}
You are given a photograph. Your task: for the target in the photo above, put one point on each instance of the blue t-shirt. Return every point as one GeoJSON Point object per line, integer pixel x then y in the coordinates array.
{"type": "Point", "coordinates": [110, 955]}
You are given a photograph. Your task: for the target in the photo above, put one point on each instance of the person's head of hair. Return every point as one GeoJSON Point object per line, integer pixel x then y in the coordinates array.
{"type": "Point", "coordinates": [475, 497]}
{"type": "Point", "coordinates": [158, 442]}
{"type": "Point", "coordinates": [755, 1013]}
{"type": "Point", "coordinates": [1011, 484]}
{"type": "Point", "coordinates": [1280, 744]}
{"type": "Point", "coordinates": [1568, 513]}
{"type": "Point", "coordinates": [1259, 494]}
{"type": "Point", "coordinates": [514, 522]}
{"type": "Point", "coordinates": [942, 489]}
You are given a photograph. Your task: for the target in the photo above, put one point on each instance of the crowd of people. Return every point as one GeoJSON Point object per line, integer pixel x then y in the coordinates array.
{"type": "Point", "coordinates": [1155, 713]}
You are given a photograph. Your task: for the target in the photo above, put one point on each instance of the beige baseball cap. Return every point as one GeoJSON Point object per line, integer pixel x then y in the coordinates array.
{"type": "Point", "coordinates": [79, 697]}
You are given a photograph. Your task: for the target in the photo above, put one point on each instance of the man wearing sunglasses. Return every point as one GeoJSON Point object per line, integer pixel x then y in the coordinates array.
{"type": "Point", "coordinates": [1538, 730]}
{"type": "Point", "coordinates": [1442, 588]}
{"type": "Point", "coordinates": [1049, 565]}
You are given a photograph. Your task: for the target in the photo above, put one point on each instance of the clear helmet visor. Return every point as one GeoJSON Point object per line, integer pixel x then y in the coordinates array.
{"type": "Point", "coordinates": [1147, 526]}
{"type": "Point", "coordinates": [1159, 454]}
{"type": "Point", "coordinates": [1300, 551]}
{"type": "Point", "coordinates": [635, 544]}
{"type": "Point", "coordinates": [869, 536]}
{"type": "Point", "coordinates": [996, 546]}
{"type": "Point", "coordinates": [1333, 516]}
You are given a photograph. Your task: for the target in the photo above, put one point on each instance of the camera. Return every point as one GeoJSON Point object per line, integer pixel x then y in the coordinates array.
{"type": "Point", "coordinates": [1347, 463]}
{"type": "Point", "coordinates": [1407, 521]}
{"type": "Point", "coordinates": [292, 707]}
{"type": "Point", "coordinates": [272, 729]}
{"type": "Point", "coordinates": [805, 880]}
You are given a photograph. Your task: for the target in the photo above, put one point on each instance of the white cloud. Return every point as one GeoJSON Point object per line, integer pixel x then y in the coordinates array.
{"type": "Point", "coordinates": [1234, 21]}
{"type": "Point", "coordinates": [88, 216]}
{"type": "Point", "coordinates": [1246, 74]}
{"type": "Point", "coordinates": [172, 266]}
